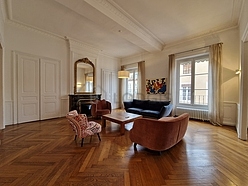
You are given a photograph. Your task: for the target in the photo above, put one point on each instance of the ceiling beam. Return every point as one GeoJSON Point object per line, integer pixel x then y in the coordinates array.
{"type": "Point", "coordinates": [144, 38]}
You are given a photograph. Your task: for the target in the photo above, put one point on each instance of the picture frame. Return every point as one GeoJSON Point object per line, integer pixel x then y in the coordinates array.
{"type": "Point", "coordinates": [156, 86]}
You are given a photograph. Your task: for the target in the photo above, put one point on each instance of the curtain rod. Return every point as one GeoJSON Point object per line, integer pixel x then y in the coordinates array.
{"type": "Point", "coordinates": [195, 49]}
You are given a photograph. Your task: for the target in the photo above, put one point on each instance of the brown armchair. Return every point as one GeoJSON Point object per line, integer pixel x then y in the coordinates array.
{"type": "Point", "coordinates": [100, 107]}
{"type": "Point", "coordinates": [159, 134]}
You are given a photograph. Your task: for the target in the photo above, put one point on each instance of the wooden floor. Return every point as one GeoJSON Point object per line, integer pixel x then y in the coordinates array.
{"type": "Point", "coordinates": [45, 153]}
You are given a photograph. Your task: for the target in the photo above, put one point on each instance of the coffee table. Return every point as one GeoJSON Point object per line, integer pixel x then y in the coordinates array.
{"type": "Point", "coordinates": [121, 118]}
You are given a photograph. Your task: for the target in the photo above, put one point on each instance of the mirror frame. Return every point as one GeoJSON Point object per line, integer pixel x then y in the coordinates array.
{"type": "Point", "coordinates": [87, 61]}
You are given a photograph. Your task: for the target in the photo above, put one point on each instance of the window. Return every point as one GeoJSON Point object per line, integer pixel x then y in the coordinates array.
{"type": "Point", "coordinates": [192, 75]}
{"type": "Point", "coordinates": [132, 84]}
{"type": "Point", "coordinates": [186, 68]}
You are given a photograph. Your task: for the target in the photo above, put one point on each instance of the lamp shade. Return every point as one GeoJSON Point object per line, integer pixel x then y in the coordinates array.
{"type": "Point", "coordinates": [89, 78]}
{"type": "Point", "coordinates": [123, 74]}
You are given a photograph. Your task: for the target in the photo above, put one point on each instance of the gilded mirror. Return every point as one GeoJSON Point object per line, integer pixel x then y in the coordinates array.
{"type": "Point", "coordinates": [84, 76]}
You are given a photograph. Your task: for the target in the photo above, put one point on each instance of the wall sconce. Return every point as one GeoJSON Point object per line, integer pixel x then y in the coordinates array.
{"type": "Point", "coordinates": [238, 71]}
{"type": "Point", "coordinates": [123, 74]}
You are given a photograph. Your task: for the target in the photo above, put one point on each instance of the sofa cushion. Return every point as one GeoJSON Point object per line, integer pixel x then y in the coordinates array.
{"type": "Point", "coordinates": [134, 110]}
{"type": "Point", "coordinates": [140, 103]}
{"type": "Point", "coordinates": [166, 110]}
{"type": "Point", "coordinates": [157, 105]}
{"type": "Point", "coordinates": [102, 104]}
{"type": "Point", "coordinates": [150, 113]}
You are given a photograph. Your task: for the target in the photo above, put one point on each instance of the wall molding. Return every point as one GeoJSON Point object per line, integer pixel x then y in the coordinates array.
{"type": "Point", "coordinates": [244, 37]}
{"type": "Point", "coordinates": [230, 113]}
{"type": "Point", "coordinates": [9, 118]}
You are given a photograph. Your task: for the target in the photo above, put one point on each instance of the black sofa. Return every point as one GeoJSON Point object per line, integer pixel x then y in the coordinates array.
{"type": "Point", "coordinates": [149, 108]}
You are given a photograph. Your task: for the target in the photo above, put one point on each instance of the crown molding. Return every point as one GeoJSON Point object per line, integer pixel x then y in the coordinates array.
{"type": "Point", "coordinates": [121, 17]}
{"type": "Point", "coordinates": [80, 47]}
{"type": "Point", "coordinates": [3, 5]}
{"type": "Point", "coordinates": [199, 38]}
{"type": "Point", "coordinates": [33, 29]}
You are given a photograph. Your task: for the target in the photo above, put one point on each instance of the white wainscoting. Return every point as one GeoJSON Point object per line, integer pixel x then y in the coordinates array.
{"type": "Point", "coordinates": [9, 113]}
{"type": "Point", "coordinates": [64, 106]}
{"type": "Point", "coordinates": [230, 113]}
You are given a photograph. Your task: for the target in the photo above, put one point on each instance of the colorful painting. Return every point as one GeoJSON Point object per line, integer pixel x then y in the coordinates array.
{"type": "Point", "coordinates": [156, 86]}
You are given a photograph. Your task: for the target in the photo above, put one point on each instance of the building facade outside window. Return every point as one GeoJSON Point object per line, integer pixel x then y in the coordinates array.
{"type": "Point", "coordinates": [132, 84]}
{"type": "Point", "coordinates": [192, 78]}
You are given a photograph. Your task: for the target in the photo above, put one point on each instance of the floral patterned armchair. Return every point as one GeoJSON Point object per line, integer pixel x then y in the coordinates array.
{"type": "Point", "coordinates": [82, 127]}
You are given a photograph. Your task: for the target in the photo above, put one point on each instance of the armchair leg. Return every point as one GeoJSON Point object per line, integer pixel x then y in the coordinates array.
{"type": "Point", "coordinates": [75, 138]}
{"type": "Point", "coordinates": [135, 146]}
{"type": "Point", "coordinates": [99, 137]}
{"type": "Point", "coordinates": [82, 142]}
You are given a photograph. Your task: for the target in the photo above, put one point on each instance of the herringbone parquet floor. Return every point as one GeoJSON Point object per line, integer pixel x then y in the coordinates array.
{"type": "Point", "coordinates": [45, 153]}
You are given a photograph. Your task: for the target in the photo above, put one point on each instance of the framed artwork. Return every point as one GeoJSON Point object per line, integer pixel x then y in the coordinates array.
{"type": "Point", "coordinates": [156, 86]}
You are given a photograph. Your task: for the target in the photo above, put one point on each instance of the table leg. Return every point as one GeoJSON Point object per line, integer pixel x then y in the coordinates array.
{"type": "Point", "coordinates": [122, 128]}
{"type": "Point", "coordinates": [103, 122]}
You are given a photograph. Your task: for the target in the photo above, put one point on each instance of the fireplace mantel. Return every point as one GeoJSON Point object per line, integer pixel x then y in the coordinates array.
{"type": "Point", "coordinates": [82, 102]}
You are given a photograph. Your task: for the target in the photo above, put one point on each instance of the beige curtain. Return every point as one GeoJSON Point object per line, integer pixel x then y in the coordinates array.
{"type": "Point", "coordinates": [122, 90]}
{"type": "Point", "coordinates": [171, 84]}
{"type": "Point", "coordinates": [215, 85]}
{"type": "Point", "coordinates": [141, 80]}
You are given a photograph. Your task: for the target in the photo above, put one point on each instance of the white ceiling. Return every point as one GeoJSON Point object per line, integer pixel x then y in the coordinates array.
{"type": "Point", "coordinates": [122, 28]}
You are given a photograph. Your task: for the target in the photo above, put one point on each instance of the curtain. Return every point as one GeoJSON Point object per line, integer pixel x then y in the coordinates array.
{"type": "Point", "coordinates": [215, 85]}
{"type": "Point", "coordinates": [141, 80]}
{"type": "Point", "coordinates": [122, 89]}
{"type": "Point", "coordinates": [172, 82]}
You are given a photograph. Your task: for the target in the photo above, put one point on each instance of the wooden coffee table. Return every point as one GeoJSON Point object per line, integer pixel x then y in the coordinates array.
{"type": "Point", "coordinates": [121, 118]}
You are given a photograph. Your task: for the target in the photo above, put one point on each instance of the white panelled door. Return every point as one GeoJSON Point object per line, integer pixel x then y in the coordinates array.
{"type": "Point", "coordinates": [109, 87]}
{"type": "Point", "coordinates": [38, 88]}
{"type": "Point", "coordinates": [28, 89]}
{"type": "Point", "coordinates": [115, 92]}
{"type": "Point", "coordinates": [49, 89]}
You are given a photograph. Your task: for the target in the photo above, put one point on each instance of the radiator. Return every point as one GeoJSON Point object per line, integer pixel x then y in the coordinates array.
{"type": "Point", "coordinates": [193, 113]}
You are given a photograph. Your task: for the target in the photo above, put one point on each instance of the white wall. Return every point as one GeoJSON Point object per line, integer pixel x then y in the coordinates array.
{"type": "Point", "coordinates": [101, 61]}
{"type": "Point", "coordinates": [106, 63]}
{"type": "Point", "coordinates": [26, 40]}
{"type": "Point", "coordinates": [243, 25]}
{"type": "Point", "coordinates": [1, 65]}
{"type": "Point", "coordinates": [156, 64]}
{"type": "Point", "coordinates": [32, 42]}
{"type": "Point", "coordinates": [242, 106]}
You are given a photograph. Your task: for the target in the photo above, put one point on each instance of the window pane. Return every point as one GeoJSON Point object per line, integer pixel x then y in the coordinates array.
{"type": "Point", "coordinates": [185, 83]}
{"type": "Point", "coordinates": [193, 81]}
{"type": "Point", "coordinates": [201, 97]}
{"type": "Point", "coordinates": [201, 82]}
{"type": "Point", "coordinates": [201, 66]}
{"type": "Point", "coordinates": [135, 85]}
{"type": "Point", "coordinates": [132, 84]}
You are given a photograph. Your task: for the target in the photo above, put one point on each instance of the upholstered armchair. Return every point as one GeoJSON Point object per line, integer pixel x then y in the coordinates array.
{"type": "Point", "coordinates": [100, 107]}
{"type": "Point", "coordinates": [159, 134]}
{"type": "Point", "coordinates": [82, 127]}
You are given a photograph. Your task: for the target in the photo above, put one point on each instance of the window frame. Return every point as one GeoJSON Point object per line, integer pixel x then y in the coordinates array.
{"type": "Point", "coordinates": [134, 94]}
{"type": "Point", "coordinates": [193, 59]}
